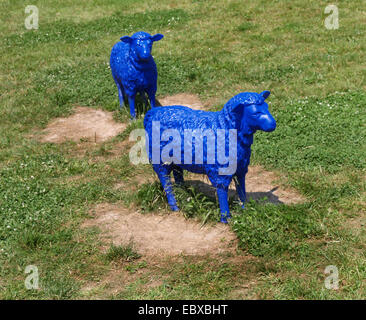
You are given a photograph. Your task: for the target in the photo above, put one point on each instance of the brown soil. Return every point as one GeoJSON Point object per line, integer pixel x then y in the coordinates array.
{"type": "Point", "coordinates": [136, 181]}
{"type": "Point", "coordinates": [183, 99]}
{"type": "Point", "coordinates": [166, 234]}
{"type": "Point", "coordinates": [85, 124]}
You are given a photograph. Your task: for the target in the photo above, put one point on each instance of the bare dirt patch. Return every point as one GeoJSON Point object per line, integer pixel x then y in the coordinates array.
{"type": "Point", "coordinates": [357, 223]}
{"type": "Point", "coordinates": [136, 181]}
{"type": "Point", "coordinates": [183, 99]}
{"type": "Point", "coordinates": [166, 234]}
{"type": "Point", "coordinates": [85, 124]}
{"type": "Point", "coordinates": [259, 184]}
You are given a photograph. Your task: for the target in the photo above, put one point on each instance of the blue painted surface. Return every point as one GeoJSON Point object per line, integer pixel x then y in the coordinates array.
{"type": "Point", "coordinates": [134, 69]}
{"type": "Point", "coordinates": [244, 114]}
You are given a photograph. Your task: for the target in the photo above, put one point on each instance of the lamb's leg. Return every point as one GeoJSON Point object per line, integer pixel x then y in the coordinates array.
{"type": "Point", "coordinates": [178, 175]}
{"type": "Point", "coordinates": [240, 188]}
{"type": "Point", "coordinates": [164, 177]}
{"type": "Point", "coordinates": [224, 204]}
{"type": "Point", "coordinates": [131, 102]}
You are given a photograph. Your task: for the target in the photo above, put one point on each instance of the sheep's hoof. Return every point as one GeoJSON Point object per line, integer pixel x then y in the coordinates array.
{"type": "Point", "coordinates": [224, 218]}
{"type": "Point", "coordinates": [174, 208]}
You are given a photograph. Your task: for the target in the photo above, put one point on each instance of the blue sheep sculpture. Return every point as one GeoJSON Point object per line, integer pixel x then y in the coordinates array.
{"type": "Point", "coordinates": [134, 69]}
{"type": "Point", "coordinates": [220, 149]}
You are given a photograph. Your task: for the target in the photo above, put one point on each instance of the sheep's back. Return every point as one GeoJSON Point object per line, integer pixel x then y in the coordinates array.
{"type": "Point", "coordinates": [180, 118]}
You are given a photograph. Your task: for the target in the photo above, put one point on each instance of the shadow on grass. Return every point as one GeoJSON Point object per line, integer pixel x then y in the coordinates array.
{"type": "Point", "coordinates": [210, 191]}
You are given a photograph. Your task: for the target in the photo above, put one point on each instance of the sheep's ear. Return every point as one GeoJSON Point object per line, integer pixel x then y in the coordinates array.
{"type": "Point", "coordinates": [265, 94]}
{"type": "Point", "coordinates": [126, 39]}
{"type": "Point", "coordinates": [157, 37]}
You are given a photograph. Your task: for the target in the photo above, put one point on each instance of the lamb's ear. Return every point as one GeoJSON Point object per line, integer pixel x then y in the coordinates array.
{"type": "Point", "coordinates": [126, 39]}
{"type": "Point", "coordinates": [265, 94]}
{"type": "Point", "coordinates": [157, 37]}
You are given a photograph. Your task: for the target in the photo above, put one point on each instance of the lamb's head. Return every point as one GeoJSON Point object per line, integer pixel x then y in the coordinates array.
{"type": "Point", "coordinates": [248, 112]}
{"type": "Point", "coordinates": [141, 44]}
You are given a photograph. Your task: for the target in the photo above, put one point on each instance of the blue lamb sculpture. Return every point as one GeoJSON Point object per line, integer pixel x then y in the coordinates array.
{"type": "Point", "coordinates": [134, 69]}
{"type": "Point", "coordinates": [170, 145]}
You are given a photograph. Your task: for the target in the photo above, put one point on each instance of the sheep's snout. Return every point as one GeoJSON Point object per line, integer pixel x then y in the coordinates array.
{"type": "Point", "coordinates": [143, 50]}
{"type": "Point", "coordinates": [267, 123]}
{"type": "Point", "coordinates": [258, 117]}
{"type": "Point", "coordinates": [145, 55]}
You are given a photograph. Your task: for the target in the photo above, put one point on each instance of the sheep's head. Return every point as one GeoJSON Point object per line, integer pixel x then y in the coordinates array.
{"type": "Point", "coordinates": [249, 112]}
{"type": "Point", "coordinates": [141, 44]}
{"type": "Point", "coordinates": [258, 117]}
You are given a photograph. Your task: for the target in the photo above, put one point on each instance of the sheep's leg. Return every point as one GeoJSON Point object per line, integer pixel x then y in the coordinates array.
{"type": "Point", "coordinates": [120, 96]}
{"type": "Point", "coordinates": [143, 96]}
{"type": "Point", "coordinates": [240, 188]}
{"type": "Point", "coordinates": [224, 204]}
{"type": "Point", "coordinates": [165, 181]}
{"type": "Point", "coordinates": [131, 102]}
{"type": "Point", "coordinates": [152, 99]}
{"type": "Point", "coordinates": [178, 175]}
{"type": "Point", "coordinates": [123, 94]}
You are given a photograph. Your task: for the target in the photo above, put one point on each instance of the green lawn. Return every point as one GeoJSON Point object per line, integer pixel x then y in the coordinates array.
{"type": "Point", "coordinates": [215, 49]}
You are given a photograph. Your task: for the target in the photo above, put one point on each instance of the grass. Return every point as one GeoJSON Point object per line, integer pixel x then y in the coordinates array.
{"type": "Point", "coordinates": [194, 204]}
{"type": "Point", "coordinates": [329, 133]}
{"type": "Point", "coordinates": [273, 230]}
{"type": "Point", "coordinates": [317, 80]}
{"type": "Point", "coordinates": [125, 253]}
{"type": "Point", "coordinates": [188, 279]}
